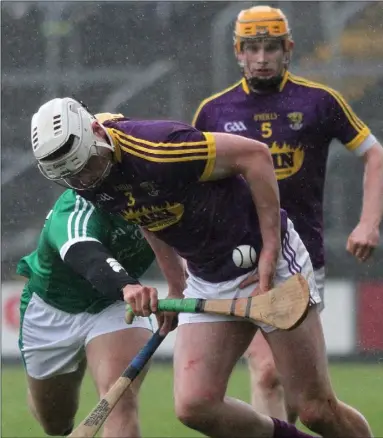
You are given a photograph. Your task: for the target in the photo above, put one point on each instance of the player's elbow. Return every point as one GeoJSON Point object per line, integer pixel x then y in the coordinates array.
{"type": "Point", "coordinates": [255, 156]}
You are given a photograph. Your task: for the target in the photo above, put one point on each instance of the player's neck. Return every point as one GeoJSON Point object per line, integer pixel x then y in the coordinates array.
{"type": "Point", "coordinates": [271, 87]}
{"type": "Point", "coordinates": [263, 92]}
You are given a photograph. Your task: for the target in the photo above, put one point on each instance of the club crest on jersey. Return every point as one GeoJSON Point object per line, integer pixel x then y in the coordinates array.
{"type": "Point", "coordinates": [238, 126]}
{"type": "Point", "coordinates": [150, 188]}
{"type": "Point", "coordinates": [155, 218]}
{"type": "Point", "coordinates": [296, 119]}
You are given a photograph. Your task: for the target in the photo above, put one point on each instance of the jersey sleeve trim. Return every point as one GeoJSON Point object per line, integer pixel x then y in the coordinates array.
{"type": "Point", "coordinates": [358, 140]}
{"type": "Point", "coordinates": [212, 152]}
{"type": "Point", "coordinates": [79, 218]}
{"type": "Point", "coordinates": [72, 223]}
{"type": "Point", "coordinates": [64, 249]}
{"type": "Point", "coordinates": [365, 145]}
{"type": "Point", "coordinates": [160, 152]}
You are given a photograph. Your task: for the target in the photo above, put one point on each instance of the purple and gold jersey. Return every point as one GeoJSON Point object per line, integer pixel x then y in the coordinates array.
{"type": "Point", "coordinates": [158, 183]}
{"type": "Point", "coordinates": [298, 123]}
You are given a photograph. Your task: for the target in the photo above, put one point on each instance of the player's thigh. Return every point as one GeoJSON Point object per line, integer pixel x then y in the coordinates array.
{"type": "Point", "coordinates": [301, 358]}
{"type": "Point", "coordinates": [112, 344]}
{"type": "Point", "coordinates": [56, 398]}
{"type": "Point", "coordinates": [205, 354]}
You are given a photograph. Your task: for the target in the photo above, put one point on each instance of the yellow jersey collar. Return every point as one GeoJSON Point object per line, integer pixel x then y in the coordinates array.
{"type": "Point", "coordinates": [117, 150]}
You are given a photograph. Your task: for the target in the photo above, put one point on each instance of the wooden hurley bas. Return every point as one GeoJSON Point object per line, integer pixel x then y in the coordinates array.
{"type": "Point", "coordinates": [283, 307]}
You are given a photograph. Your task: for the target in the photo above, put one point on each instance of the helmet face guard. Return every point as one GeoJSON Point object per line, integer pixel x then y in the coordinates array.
{"type": "Point", "coordinates": [262, 23]}
{"type": "Point", "coordinates": [96, 168]}
{"type": "Point", "coordinates": [94, 172]}
{"type": "Point", "coordinates": [63, 140]}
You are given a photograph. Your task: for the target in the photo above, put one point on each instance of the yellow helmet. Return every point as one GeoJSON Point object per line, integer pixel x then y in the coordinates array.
{"type": "Point", "coordinates": [261, 22]}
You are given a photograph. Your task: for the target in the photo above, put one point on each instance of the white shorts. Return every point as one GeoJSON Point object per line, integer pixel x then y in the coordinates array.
{"type": "Point", "coordinates": [53, 342]}
{"type": "Point", "coordinates": [293, 258]}
{"type": "Point", "coordinates": [320, 281]}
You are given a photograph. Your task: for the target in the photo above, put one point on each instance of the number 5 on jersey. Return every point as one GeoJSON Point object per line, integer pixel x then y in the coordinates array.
{"type": "Point", "coordinates": [266, 130]}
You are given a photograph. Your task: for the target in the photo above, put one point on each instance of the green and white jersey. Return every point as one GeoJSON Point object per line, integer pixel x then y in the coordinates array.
{"type": "Point", "coordinates": [73, 220]}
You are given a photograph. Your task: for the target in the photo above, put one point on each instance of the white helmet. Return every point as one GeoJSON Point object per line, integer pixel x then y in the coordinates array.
{"type": "Point", "coordinates": [62, 138]}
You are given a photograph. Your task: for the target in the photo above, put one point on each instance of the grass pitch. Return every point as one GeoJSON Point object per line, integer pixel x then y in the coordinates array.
{"type": "Point", "coordinates": [360, 385]}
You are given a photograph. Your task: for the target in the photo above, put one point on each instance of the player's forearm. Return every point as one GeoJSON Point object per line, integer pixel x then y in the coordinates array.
{"type": "Point", "coordinates": [259, 174]}
{"type": "Point", "coordinates": [372, 209]}
{"type": "Point", "coordinates": [94, 262]}
{"type": "Point", "coordinates": [170, 263]}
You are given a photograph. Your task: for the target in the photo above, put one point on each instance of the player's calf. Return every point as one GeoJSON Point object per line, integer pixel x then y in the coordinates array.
{"type": "Point", "coordinates": [329, 417]}
{"type": "Point", "coordinates": [53, 425]}
{"type": "Point", "coordinates": [54, 401]}
{"type": "Point", "coordinates": [123, 421]}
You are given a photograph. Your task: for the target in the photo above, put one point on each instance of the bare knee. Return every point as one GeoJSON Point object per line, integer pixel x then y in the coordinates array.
{"type": "Point", "coordinates": [318, 412]}
{"type": "Point", "coordinates": [267, 376]}
{"type": "Point", "coordinates": [126, 409]}
{"type": "Point", "coordinates": [262, 366]}
{"type": "Point", "coordinates": [264, 374]}
{"type": "Point", "coordinates": [194, 412]}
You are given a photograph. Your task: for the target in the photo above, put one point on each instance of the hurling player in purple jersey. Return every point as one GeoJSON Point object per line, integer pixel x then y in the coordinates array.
{"type": "Point", "coordinates": [201, 197]}
{"type": "Point", "coordinates": [298, 119]}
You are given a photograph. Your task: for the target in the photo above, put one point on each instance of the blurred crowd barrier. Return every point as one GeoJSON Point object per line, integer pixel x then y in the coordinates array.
{"type": "Point", "coordinates": [352, 320]}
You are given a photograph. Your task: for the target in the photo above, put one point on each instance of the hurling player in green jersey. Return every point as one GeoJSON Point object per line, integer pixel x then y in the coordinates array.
{"type": "Point", "coordinates": [72, 313]}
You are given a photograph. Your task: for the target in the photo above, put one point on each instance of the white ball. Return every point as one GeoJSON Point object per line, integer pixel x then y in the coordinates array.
{"type": "Point", "coordinates": [244, 256]}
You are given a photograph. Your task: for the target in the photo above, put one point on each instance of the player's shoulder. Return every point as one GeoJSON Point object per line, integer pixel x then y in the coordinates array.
{"type": "Point", "coordinates": [318, 89]}
{"type": "Point", "coordinates": [224, 96]}
{"type": "Point", "coordinates": [69, 202]}
{"type": "Point", "coordinates": [149, 132]}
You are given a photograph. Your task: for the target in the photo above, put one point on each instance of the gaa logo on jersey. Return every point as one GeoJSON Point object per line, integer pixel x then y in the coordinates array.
{"type": "Point", "coordinates": [296, 119]}
{"type": "Point", "coordinates": [235, 127]}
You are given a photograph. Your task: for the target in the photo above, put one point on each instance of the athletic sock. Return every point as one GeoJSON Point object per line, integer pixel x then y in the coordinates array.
{"type": "Point", "coordinates": [287, 430]}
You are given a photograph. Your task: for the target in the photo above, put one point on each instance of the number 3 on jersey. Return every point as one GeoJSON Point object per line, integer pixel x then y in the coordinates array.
{"type": "Point", "coordinates": [266, 130]}
{"type": "Point", "coordinates": [131, 200]}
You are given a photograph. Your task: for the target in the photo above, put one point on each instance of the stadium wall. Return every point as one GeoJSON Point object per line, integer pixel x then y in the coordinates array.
{"type": "Point", "coordinates": [352, 320]}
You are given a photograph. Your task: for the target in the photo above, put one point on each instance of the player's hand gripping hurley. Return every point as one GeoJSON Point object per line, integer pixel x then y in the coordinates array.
{"type": "Point", "coordinates": [92, 423]}
{"type": "Point", "coordinates": [282, 307]}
